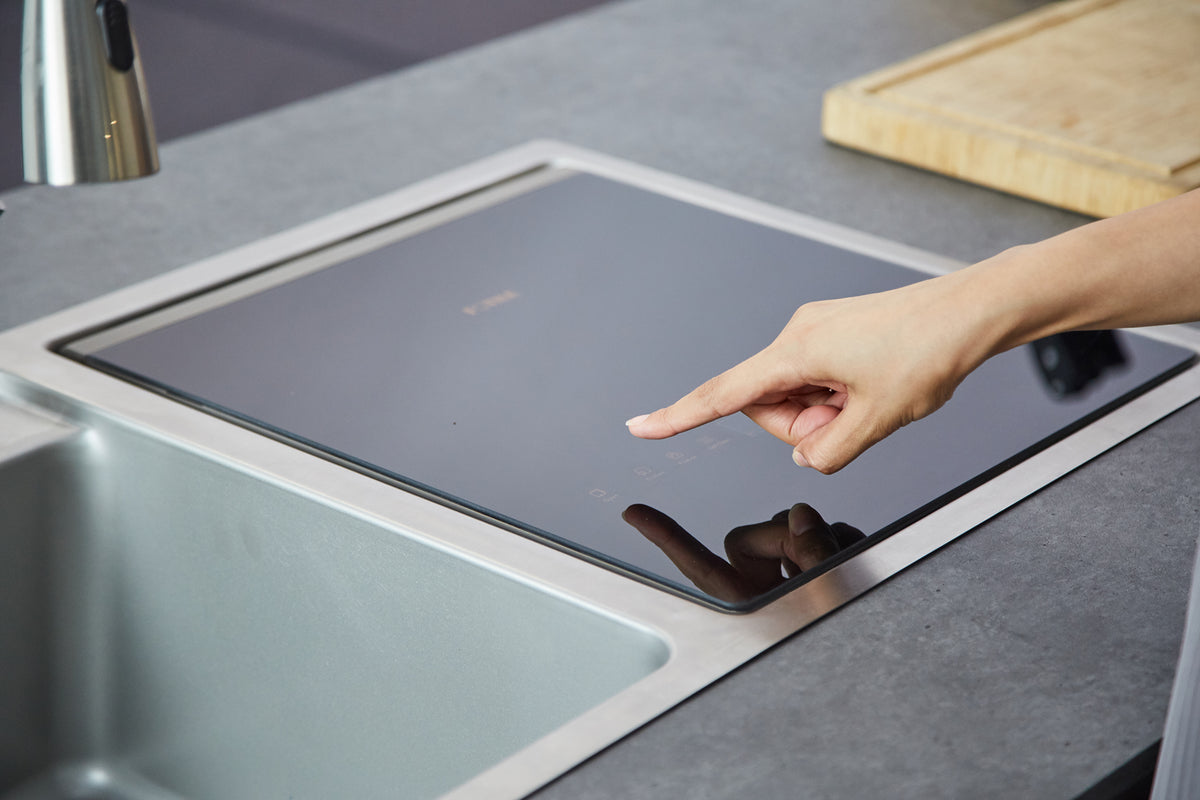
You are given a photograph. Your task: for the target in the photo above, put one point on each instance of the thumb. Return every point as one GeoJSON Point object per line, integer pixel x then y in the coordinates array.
{"type": "Point", "coordinates": [838, 442]}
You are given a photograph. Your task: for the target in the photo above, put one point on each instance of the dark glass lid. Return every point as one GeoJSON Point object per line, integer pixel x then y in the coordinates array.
{"type": "Point", "coordinates": [490, 362]}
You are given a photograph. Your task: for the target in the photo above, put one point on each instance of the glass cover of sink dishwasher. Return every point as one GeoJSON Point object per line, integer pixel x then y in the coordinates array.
{"type": "Point", "coordinates": [489, 357]}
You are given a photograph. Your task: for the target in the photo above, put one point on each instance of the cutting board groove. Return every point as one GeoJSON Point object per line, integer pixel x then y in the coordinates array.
{"type": "Point", "coordinates": [1092, 105]}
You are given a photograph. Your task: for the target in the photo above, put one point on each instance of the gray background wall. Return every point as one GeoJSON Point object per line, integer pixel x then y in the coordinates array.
{"type": "Point", "coordinates": [214, 61]}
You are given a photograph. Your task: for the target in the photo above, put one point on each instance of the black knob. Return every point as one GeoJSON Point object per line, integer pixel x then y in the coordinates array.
{"type": "Point", "coordinates": [118, 38]}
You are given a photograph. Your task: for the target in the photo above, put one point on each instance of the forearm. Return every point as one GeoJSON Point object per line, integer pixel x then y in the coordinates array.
{"type": "Point", "coordinates": [1142, 268]}
{"type": "Point", "coordinates": [845, 373]}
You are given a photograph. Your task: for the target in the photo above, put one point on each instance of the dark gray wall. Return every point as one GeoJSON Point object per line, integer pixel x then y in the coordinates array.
{"type": "Point", "coordinates": [215, 61]}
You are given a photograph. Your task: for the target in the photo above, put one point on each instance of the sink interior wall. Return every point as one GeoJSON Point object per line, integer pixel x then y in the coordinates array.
{"type": "Point", "coordinates": [33, 501]}
{"type": "Point", "coordinates": [169, 615]}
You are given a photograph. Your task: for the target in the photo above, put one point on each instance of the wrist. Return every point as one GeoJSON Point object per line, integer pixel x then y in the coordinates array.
{"type": "Point", "coordinates": [1019, 296]}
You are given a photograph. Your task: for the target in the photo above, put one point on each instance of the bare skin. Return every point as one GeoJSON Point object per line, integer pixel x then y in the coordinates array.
{"type": "Point", "coordinates": [844, 374]}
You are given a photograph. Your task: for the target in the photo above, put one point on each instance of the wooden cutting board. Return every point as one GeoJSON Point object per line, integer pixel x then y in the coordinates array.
{"type": "Point", "coordinates": [1092, 105]}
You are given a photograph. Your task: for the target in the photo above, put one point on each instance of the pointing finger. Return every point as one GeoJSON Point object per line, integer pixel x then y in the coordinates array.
{"type": "Point", "coordinates": [753, 381]}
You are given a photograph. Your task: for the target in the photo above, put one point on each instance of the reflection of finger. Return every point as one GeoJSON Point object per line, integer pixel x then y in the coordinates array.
{"type": "Point", "coordinates": [810, 539]}
{"type": "Point", "coordinates": [700, 565]}
{"type": "Point", "coordinates": [846, 535]}
{"type": "Point", "coordinates": [758, 551]}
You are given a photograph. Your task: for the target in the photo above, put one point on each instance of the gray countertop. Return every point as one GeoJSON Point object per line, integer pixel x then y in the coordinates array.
{"type": "Point", "coordinates": [1027, 659]}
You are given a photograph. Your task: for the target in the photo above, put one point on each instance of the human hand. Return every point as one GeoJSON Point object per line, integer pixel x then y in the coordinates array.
{"type": "Point", "coordinates": [844, 374]}
{"type": "Point", "coordinates": [761, 556]}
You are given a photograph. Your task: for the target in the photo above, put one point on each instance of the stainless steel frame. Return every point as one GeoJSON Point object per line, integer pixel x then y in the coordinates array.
{"type": "Point", "coordinates": [704, 644]}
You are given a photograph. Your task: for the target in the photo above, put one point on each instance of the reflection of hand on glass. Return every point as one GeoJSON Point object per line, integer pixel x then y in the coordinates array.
{"type": "Point", "coordinates": [761, 556]}
{"type": "Point", "coordinates": [1071, 362]}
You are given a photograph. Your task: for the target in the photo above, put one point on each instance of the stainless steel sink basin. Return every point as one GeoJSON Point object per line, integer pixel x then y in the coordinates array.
{"type": "Point", "coordinates": [163, 613]}
{"type": "Point", "coordinates": [191, 609]}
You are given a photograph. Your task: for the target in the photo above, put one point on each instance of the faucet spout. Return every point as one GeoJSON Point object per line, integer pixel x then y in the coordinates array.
{"type": "Point", "coordinates": [85, 111]}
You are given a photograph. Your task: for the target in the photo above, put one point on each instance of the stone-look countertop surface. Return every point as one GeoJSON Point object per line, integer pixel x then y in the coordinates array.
{"type": "Point", "coordinates": [1027, 659]}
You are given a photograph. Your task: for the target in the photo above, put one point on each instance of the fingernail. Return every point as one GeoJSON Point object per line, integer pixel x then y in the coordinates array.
{"type": "Point", "coordinates": [799, 458]}
{"type": "Point", "coordinates": [636, 420]}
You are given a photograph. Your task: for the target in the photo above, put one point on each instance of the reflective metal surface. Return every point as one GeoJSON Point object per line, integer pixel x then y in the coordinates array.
{"type": "Point", "coordinates": [85, 113]}
{"type": "Point", "coordinates": [161, 615]}
{"type": "Point", "coordinates": [172, 584]}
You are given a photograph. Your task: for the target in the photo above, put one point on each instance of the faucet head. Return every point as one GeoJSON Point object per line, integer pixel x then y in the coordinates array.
{"type": "Point", "coordinates": [85, 112]}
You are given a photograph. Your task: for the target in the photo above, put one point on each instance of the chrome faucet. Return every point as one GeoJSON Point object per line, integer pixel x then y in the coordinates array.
{"type": "Point", "coordinates": [85, 113]}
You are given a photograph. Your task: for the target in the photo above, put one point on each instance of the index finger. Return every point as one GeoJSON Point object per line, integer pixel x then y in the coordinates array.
{"type": "Point", "coordinates": [755, 380]}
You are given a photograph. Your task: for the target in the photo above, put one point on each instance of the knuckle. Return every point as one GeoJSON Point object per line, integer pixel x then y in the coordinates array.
{"type": "Point", "coordinates": [821, 460]}
{"type": "Point", "coordinates": [812, 308]}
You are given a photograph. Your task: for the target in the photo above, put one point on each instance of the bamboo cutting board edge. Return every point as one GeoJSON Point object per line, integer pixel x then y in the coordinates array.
{"type": "Point", "coordinates": [859, 114]}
